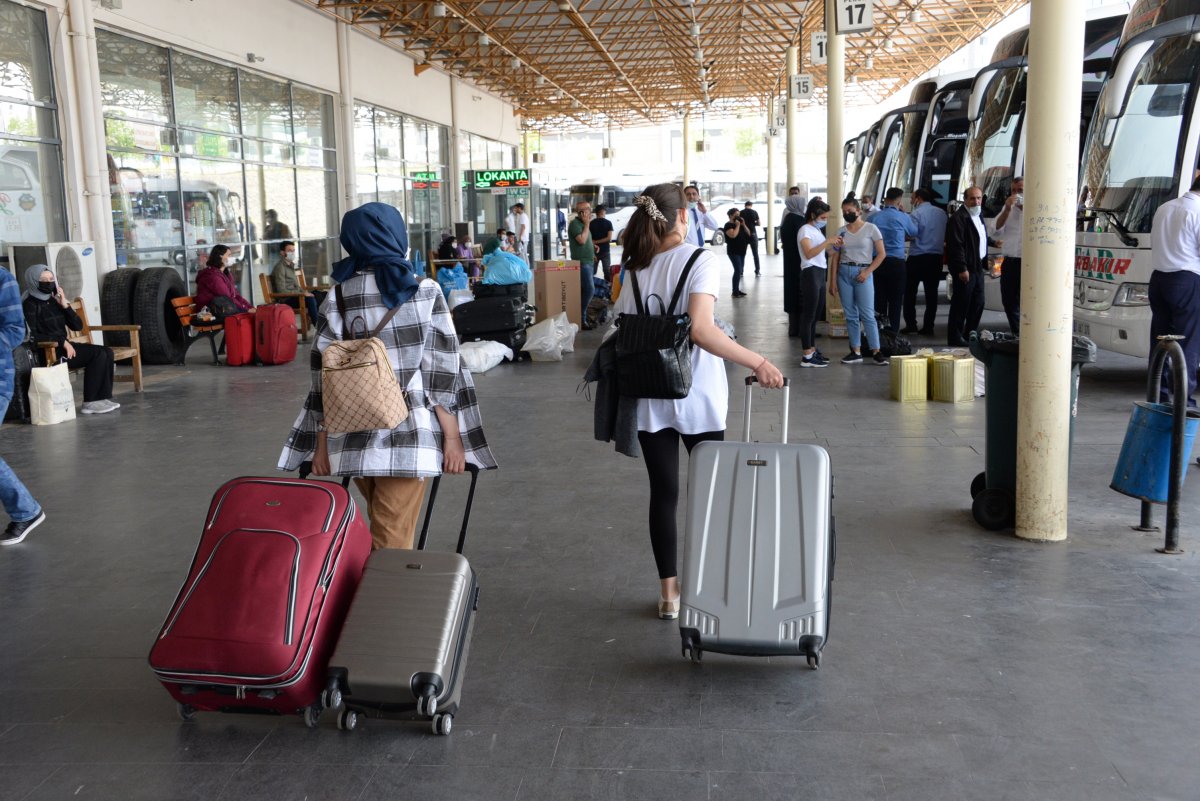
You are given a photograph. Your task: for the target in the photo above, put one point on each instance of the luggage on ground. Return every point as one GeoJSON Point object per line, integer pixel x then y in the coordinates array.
{"type": "Point", "coordinates": [483, 290]}
{"type": "Point", "coordinates": [514, 339]}
{"type": "Point", "coordinates": [51, 399]}
{"type": "Point", "coordinates": [596, 313]}
{"type": "Point", "coordinates": [503, 313]}
{"type": "Point", "coordinates": [255, 621]}
{"type": "Point", "coordinates": [239, 339]}
{"type": "Point", "coordinates": [891, 343]}
{"type": "Point", "coordinates": [403, 649]}
{"type": "Point", "coordinates": [759, 548]}
{"type": "Point", "coordinates": [275, 333]}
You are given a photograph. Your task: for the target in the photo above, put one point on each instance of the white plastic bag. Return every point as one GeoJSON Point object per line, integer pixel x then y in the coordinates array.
{"type": "Point", "coordinates": [543, 342]}
{"type": "Point", "coordinates": [50, 397]}
{"type": "Point", "coordinates": [479, 357]}
{"type": "Point", "coordinates": [566, 332]}
{"type": "Point", "coordinates": [458, 297]}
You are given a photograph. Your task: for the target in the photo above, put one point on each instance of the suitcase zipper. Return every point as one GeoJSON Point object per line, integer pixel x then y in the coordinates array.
{"type": "Point", "coordinates": [309, 485]}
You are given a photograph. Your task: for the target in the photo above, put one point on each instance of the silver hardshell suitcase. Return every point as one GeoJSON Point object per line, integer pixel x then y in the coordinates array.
{"type": "Point", "coordinates": [403, 650]}
{"type": "Point", "coordinates": [759, 548]}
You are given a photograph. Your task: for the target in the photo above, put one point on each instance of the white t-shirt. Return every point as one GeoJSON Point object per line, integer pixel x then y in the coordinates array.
{"type": "Point", "coordinates": [815, 236]}
{"type": "Point", "coordinates": [522, 220]}
{"type": "Point", "coordinates": [1175, 241]}
{"type": "Point", "coordinates": [706, 406]}
{"type": "Point", "coordinates": [1012, 232]}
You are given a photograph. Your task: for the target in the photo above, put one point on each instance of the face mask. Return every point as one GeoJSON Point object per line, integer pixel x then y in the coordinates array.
{"type": "Point", "coordinates": [228, 261]}
{"type": "Point", "coordinates": [46, 286]}
{"type": "Point", "coordinates": [974, 211]}
{"type": "Point", "coordinates": [290, 256]}
{"type": "Point", "coordinates": [850, 216]}
{"type": "Point", "coordinates": [692, 204]}
{"type": "Point", "coordinates": [820, 224]}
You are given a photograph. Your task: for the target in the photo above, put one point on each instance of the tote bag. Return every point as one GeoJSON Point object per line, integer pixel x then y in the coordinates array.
{"type": "Point", "coordinates": [654, 351]}
{"type": "Point", "coordinates": [50, 397]}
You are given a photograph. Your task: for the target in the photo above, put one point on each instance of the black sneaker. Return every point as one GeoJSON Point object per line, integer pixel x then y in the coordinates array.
{"type": "Point", "coordinates": [909, 329]}
{"type": "Point", "coordinates": [852, 358]}
{"type": "Point", "coordinates": [878, 358]}
{"type": "Point", "coordinates": [17, 532]}
{"type": "Point", "coordinates": [814, 361]}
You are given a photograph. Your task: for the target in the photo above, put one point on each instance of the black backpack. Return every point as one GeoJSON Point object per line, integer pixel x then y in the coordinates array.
{"type": "Point", "coordinates": [892, 343]}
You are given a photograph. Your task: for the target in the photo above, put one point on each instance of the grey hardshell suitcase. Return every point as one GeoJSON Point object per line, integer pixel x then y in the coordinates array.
{"type": "Point", "coordinates": [403, 650]}
{"type": "Point", "coordinates": [759, 548]}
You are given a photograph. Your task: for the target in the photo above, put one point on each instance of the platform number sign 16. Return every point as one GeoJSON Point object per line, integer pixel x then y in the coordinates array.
{"type": "Point", "coordinates": [820, 41]}
{"type": "Point", "coordinates": [855, 16]}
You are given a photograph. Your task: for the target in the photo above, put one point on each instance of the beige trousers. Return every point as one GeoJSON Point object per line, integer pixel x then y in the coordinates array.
{"type": "Point", "coordinates": [393, 505]}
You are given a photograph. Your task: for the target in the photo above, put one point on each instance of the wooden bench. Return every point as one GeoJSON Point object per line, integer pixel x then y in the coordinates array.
{"type": "Point", "coordinates": [133, 353]}
{"type": "Point", "coordinates": [186, 308]}
{"type": "Point", "coordinates": [269, 296]}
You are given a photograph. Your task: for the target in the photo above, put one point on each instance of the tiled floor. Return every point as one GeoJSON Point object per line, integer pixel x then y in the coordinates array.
{"type": "Point", "coordinates": [961, 664]}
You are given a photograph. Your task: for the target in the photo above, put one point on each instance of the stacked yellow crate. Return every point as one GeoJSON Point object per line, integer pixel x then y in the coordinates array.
{"type": "Point", "coordinates": [910, 380]}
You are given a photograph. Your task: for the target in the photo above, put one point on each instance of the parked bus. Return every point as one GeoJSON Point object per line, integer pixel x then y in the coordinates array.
{"type": "Point", "coordinates": [944, 140]}
{"type": "Point", "coordinates": [1141, 151]}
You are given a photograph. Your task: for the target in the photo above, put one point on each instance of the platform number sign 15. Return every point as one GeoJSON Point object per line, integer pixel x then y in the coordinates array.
{"type": "Point", "coordinates": [801, 87]}
{"type": "Point", "coordinates": [855, 16]}
{"type": "Point", "coordinates": [820, 41]}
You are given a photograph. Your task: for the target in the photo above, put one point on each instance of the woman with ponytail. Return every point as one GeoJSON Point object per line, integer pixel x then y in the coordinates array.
{"type": "Point", "coordinates": [656, 250]}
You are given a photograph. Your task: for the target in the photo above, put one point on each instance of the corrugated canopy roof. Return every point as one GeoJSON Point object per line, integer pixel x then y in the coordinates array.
{"type": "Point", "coordinates": [590, 63]}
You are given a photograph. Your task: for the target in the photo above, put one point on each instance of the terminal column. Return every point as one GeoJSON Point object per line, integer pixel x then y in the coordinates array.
{"type": "Point", "coordinates": [769, 231]}
{"type": "Point", "coordinates": [793, 118]}
{"type": "Point", "coordinates": [1044, 390]}
{"type": "Point", "coordinates": [345, 136]}
{"type": "Point", "coordinates": [835, 100]}
{"type": "Point", "coordinates": [687, 147]}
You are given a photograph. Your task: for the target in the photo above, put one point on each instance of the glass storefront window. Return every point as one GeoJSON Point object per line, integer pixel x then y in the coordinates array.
{"type": "Point", "coordinates": [317, 191]}
{"type": "Point", "coordinates": [266, 108]}
{"type": "Point", "coordinates": [206, 94]}
{"type": "Point", "coordinates": [135, 78]}
{"type": "Point", "coordinates": [31, 206]}
{"type": "Point", "coordinates": [414, 141]}
{"type": "Point", "coordinates": [312, 114]}
{"type": "Point", "coordinates": [147, 214]}
{"type": "Point", "coordinates": [25, 56]}
{"type": "Point", "coordinates": [271, 204]}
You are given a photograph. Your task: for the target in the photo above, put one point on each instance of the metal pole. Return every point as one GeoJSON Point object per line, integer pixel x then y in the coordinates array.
{"type": "Point", "coordinates": [770, 229]}
{"type": "Point", "coordinates": [835, 103]}
{"type": "Point", "coordinates": [345, 137]}
{"type": "Point", "coordinates": [1044, 387]}
{"type": "Point", "coordinates": [1169, 348]}
{"type": "Point", "coordinates": [687, 147]}
{"type": "Point", "coordinates": [793, 119]}
{"type": "Point", "coordinates": [453, 181]}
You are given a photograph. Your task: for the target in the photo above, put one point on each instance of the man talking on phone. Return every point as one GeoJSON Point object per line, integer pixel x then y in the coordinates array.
{"type": "Point", "coordinates": [1010, 228]}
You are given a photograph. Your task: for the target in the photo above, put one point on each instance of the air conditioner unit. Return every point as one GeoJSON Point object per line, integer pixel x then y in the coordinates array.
{"type": "Point", "coordinates": [539, 158]}
{"type": "Point", "coordinates": [73, 264]}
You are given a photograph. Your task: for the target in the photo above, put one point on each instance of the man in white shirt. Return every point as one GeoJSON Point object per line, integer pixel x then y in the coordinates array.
{"type": "Point", "coordinates": [517, 222]}
{"type": "Point", "coordinates": [699, 217]}
{"type": "Point", "coordinates": [1175, 282]}
{"type": "Point", "coordinates": [1010, 229]}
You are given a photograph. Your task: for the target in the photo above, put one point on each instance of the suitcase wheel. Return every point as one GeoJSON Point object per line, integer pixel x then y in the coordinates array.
{"type": "Point", "coordinates": [331, 698]}
{"type": "Point", "coordinates": [186, 712]}
{"type": "Point", "coordinates": [814, 661]}
{"type": "Point", "coordinates": [427, 704]}
{"type": "Point", "coordinates": [691, 648]}
{"type": "Point", "coordinates": [442, 724]}
{"type": "Point", "coordinates": [347, 720]}
{"type": "Point", "coordinates": [312, 716]}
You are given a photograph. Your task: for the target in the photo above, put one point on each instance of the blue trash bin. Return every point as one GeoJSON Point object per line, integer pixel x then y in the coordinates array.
{"type": "Point", "coordinates": [1144, 467]}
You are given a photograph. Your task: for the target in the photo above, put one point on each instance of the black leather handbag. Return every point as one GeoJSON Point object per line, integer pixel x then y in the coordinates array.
{"type": "Point", "coordinates": [654, 351]}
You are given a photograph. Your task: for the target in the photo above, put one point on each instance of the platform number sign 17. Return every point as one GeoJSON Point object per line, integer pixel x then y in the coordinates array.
{"type": "Point", "coordinates": [820, 41]}
{"type": "Point", "coordinates": [855, 16]}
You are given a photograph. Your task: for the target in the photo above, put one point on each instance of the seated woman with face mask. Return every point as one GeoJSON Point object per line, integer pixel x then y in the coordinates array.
{"type": "Point", "coordinates": [49, 315]}
{"type": "Point", "coordinates": [216, 287]}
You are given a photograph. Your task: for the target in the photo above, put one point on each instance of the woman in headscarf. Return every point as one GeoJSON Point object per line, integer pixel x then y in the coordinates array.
{"type": "Point", "coordinates": [793, 221]}
{"type": "Point", "coordinates": [49, 315]}
{"type": "Point", "coordinates": [443, 430]}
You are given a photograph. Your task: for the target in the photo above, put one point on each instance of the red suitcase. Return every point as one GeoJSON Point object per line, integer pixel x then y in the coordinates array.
{"type": "Point", "coordinates": [239, 339]}
{"type": "Point", "coordinates": [275, 333]}
{"type": "Point", "coordinates": [256, 620]}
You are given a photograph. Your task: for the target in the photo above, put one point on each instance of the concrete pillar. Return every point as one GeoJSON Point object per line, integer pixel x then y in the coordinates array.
{"type": "Point", "coordinates": [345, 137]}
{"type": "Point", "coordinates": [1043, 397]}
{"type": "Point", "coordinates": [771, 221]}
{"type": "Point", "coordinates": [834, 109]}
{"type": "Point", "coordinates": [687, 147]}
{"type": "Point", "coordinates": [97, 192]}
{"type": "Point", "coordinates": [793, 119]}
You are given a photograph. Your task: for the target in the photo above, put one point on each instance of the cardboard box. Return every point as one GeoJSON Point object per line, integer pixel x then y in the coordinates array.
{"type": "Point", "coordinates": [556, 289]}
{"type": "Point", "coordinates": [952, 379]}
{"type": "Point", "coordinates": [910, 381]}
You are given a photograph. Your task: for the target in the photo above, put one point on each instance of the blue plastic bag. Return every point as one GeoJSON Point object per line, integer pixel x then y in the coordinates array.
{"type": "Point", "coordinates": [502, 267]}
{"type": "Point", "coordinates": [452, 278]}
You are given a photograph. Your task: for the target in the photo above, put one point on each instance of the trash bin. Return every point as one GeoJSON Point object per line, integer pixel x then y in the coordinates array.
{"type": "Point", "coordinates": [993, 491]}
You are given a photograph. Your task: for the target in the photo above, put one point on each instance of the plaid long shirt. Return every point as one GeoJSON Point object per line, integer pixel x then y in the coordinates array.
{"type": "Point", "coordinates": [423, 349]}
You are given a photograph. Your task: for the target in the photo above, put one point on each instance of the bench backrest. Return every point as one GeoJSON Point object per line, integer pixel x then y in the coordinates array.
{"type": "Point", "coordinates": [185, 307]}
{"type": "Point", "coordinates": [85, 336]}
{"type": "Point", "coordinates": [264, 281]}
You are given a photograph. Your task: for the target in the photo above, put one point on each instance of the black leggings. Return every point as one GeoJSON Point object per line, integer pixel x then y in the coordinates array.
{"type": "Point", "coordinates": [661, 452]}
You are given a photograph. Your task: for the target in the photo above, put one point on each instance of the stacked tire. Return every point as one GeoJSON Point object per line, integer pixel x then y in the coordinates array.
{"type": "Point", "coordinates": [143, 297]}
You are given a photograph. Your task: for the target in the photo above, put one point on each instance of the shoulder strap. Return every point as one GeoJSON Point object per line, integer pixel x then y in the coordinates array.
{"type": "Point", "coordinates": [341, 307]}
{"type": "Point", "coordinates": [683, 280]}
{"type": "Point", "coordinates": [637, 293]}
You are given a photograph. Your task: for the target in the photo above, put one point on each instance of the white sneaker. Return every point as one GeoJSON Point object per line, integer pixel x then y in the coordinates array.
{"type": "Point", "coordinates": [98, 407]}
{"type": "Point", "coordinates": [112, 404]}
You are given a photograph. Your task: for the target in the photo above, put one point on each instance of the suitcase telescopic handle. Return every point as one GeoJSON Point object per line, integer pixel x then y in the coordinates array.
{"type": "Point", "coordinates": [433, 490]}
{"type": "Point", "coordinates": [787, 396]}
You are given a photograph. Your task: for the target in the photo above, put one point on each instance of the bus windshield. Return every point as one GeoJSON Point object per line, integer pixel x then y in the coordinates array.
{"type": "Point", "coordinates": [992, 151]}
{"type": "Point", "coordinates": [905, 168]}
{"type": "Point", "coordinates": [1131, 162]}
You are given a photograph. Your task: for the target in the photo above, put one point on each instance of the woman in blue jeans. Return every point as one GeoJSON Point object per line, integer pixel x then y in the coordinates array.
{"type": "Point", "coordinates": [850, 271]}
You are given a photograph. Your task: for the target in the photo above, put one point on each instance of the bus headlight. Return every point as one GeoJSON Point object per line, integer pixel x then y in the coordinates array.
{"type": "Point", "coordinates": [1132, 295]}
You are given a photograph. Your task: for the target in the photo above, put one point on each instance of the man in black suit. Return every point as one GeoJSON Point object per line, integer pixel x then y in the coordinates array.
{"type": "Point", "coordinates": [966, 256]}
